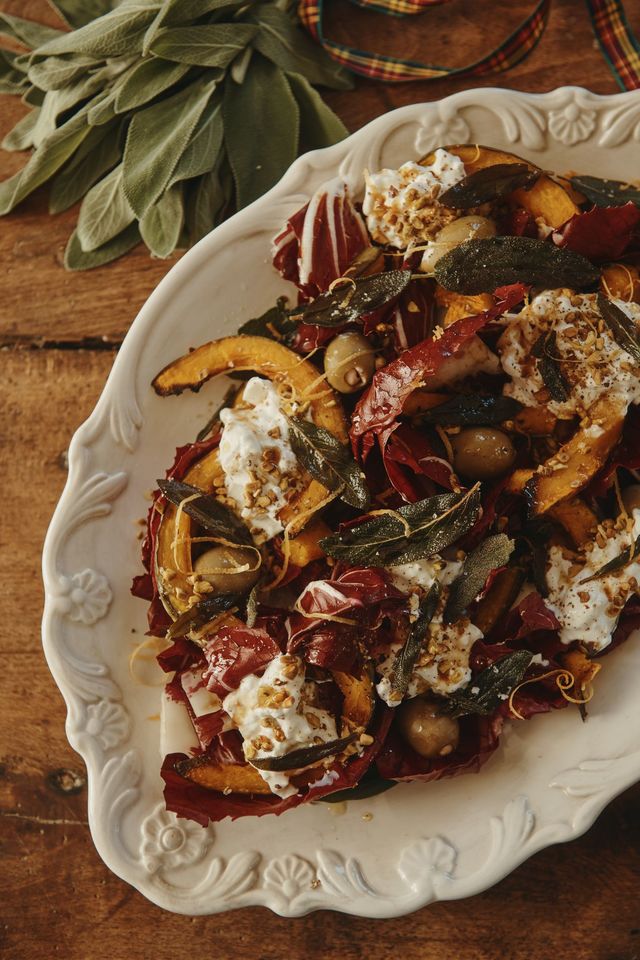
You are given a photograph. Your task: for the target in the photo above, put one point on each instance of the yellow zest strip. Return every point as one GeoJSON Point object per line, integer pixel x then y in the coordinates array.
{"type": "Point", "coordinates": [330, 617]}
{"type": "Point", "coordinates": [198, 635]}
{"type": "Point", "coordinates": [341, 281]}
{"type": "Point", "coordinates": [565, 680]}
{"type": "Point", "coordinates": [446, 443]}
{"type": "Point", "coordinates": [157, 644]}
{"type": "Point", "coordinates": [395, 515]}
{"type": "Point", "coordinates": [174, 542]}
{"type": "Point", "coordinates": [290, 528]}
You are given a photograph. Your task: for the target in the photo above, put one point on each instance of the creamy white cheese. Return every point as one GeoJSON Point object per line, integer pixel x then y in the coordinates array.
{"type": "Point", "coordinates": [421, 574]}
{"type": "Point", "coordinates": [591, 361]}
{"type": "Point", "coordinates": [177, 734]}
{"type": "Point", "coordinates": [474, 358]}
{"type": "Point", "coordinates": [255, 456]}
{"type": "Point", "coordinates": [275, 715]}
{"type": "Point", "coordinates": [589, 611]}
{"type": "Point", "coordinates": [401, 206]}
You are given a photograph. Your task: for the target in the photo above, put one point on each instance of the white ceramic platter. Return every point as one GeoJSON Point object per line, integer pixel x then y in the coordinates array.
{"type": "Point", "coordinates": [551, 776]}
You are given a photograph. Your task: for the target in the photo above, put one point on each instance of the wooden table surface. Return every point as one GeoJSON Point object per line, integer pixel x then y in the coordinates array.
{"type": "Point", "coordinates": [58, 334]}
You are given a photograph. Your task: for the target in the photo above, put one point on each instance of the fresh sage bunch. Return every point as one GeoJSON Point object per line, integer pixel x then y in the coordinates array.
{"type": "Point", "coordinates": [163, 116]}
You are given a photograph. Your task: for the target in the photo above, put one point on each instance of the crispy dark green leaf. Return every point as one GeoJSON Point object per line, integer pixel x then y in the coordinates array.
{"type": "Point", "coordinates": [206, 510]}
{"type": "Point", "coordinates": [319, 126]}
{"type": "Point", "coordinates": [296, 759]}
{"type": "Point", "coordinates": [100, 151]}
{"type": "Point", "coordinates": [227, 400]}
{"type": "Point", "coordinates": [406, 657]}
{"type": "Point", "coordinates": [206, 45]}
{"type": "Point", "coordinates": [259, 160]}
{"type": "Point", "coordinates": [545, 349]}
{"type": "Point", "coordinates": [489, 183]}
{"type": "Point", "coordinates": [158, 136]}
{"type": "Point", "coordinates": [105, 212]}
{"type": "Point", "coordinates": [329, 462]}
{"type": "Point", "coordinates": [471, 409]}
{"type": "Point", "coordinates": [284, 43]}
{"type": "Point", "coordinates": [347, 302]}
{"type": "Point", "coordinates": [425, 528]}
{"type": "Point", "coordinates": [492, 553]}
{"type": "Point", "coordinates": [606, 193]}
{"type": "Point", "coordinates": [275, 323]}
{"type": "Point", "coordinates": [147, 80]}
{"type": "Point", "coordinates": [624, 330]}
{"type": "Point", "coordinates": [161, 225]}
{"type": "Point", "coordinates": [201, 612]}
{"type": "Point", "coordinates": [618, 563]}
{"type": "Point", "coordinates": [115, 34]}
{"type": "Point", "coordinates": [370, 786]}
{"type": "Point", "coordinates": [75, 258]}
{"type": "Point", "coordinates": [492, 685]}
{"type": "Point", "coordinates": [480, 266]}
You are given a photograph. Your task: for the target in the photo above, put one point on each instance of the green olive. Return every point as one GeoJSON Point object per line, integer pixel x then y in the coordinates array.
{"type": "Point", "coordinates": [425, 728]}
{"type": "Point", "coordinates": [349, 362]}
{"type": "Point", "coordinates": [631, 497]}
{"type": "Point", "coordinates": [452, 235]}
{"type": "Point", "coordinates": [217, 566]}
{"type": "Point", "coordinates": [482, 453]}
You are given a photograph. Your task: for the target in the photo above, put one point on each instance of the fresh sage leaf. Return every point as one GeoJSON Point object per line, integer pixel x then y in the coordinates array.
{"type": "Point", "coordinates": [28, 32]}
{"type": "Point", "coordinates": [624, 330]}
{"type": "Point", "coordinates": [20, 137]}
{"type": "Point", "coordinates": [207, 45]}
{"type": "Point", "coordinates": [12, 79]}
{"type": "Point", "coordinates": [406, 657]}
{"type": "Point", "coordinates": [161, 225]}
{"type": "Point", "coordinates": [207, 510]}
{"type": "Point", "coordinates": [259, 161]}
{"type": "Point", "coordinates": [492, 685]}
{"type": "Point", "coordinates": [275, 323]}
{"type": "Point", "coordinates": [105, 212]}
{"type": "Point", "coordinates": [465, 410]}
{"type": "Point", "coordinates": [545, 350]}
{"type": "Point", "coordinates": [606, 193]}
{"type": "Point", "coordinates": [206, 141]}
{"type": "Point", "coordinates": [414, 531]}
{"type": "Point", "coordinates": [56, 72]}
{"type": "Point", "coordinates": [318, 123]}
{"type": "Point", "coordinates": [209, 199]}
{"type": "Point", "coordinates": [329, 462]}
{"type": "Point", "coordinates": [75, 257]}
{"type": "Point", "coordinates": [487, 184]}
{"type": "Point", "coordinates": [77, 13]}
{"type": "Point", "coordinates": [42, 164]}
{"type": "Point", "coordinates": [147, 80]}
{"type": "Point", "coordinates": [158, 136]}
{"type": "Point", "coordinates": [117, 33]}
{"type": "Point", "coordinates": [492, 553]}
{"type": "Point", "coordinates": [100, 151]}
{"type": "Point", "coordinates": [296, 759]}
{"type": "Point", "coordinates": [176, 12]}
{"type": "Point", "coordinates": [201, 612]}
{"type": "Point", "coordinates": [480, 266]}
{"type": "Point", "coordinates": [283, 42]}
{"type": "Point", "coordinates": [347, 302]}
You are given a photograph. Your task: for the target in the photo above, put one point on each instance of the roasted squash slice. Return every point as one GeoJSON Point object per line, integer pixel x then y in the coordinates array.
{"type": "Point", "coordinates": [577, 518]}
{"type": "Point", "coordinates": [535, 421]}
{"type": "Point", "coordinates": [577, 461]}
{"type": "Point", "coordinates": [546, 198]}
{"type": "Point", "coordinates": [621, 281]}
{"type": "Point", "coordinates": [498, 599]}
{"type": "Point", "coordinates": [460, 305]}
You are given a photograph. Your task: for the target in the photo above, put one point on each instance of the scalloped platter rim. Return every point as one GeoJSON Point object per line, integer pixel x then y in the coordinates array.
{"type": "Point", "coordinates": [382, 857]}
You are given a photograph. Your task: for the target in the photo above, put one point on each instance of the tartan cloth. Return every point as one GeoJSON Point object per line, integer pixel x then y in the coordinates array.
{"type": "Point", "coordinates": [617, 42]}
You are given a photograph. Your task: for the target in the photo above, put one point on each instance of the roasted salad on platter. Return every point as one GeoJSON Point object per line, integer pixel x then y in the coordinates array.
{"type": "Point", "coordinates": [416, 516]}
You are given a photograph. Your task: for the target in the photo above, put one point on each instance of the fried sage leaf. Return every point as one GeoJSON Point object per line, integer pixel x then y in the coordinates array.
{"type": "Point", "coordinates": [200, 613]}
{"type": "Point", "coordinates": [406, 657]}
{"type": "Point", "coordinates": [412, 532]}
{"type": "Point", "coordinates": [481, 266]}
{"type": "Point", "coordinates": [489, 183]}
{"type": "Point", "coordinates": [624, 330]}
{"type": "Point", "coordinates": [492, 553]}
{"type": "Point", "coordinates": [467, 410]}
{"type": "Point", "coordinates": [492, 685]}
{"type": "Point", "coordinates": [370, 786]}
{"type": "Point", "coordinates": [623, 558]}
{"type": "Point", "coordinates": [545, 350]}
{"type": "Point", "coordinates": [296, 759]}
{"type": "Point", "coordinates": [606, 193]}
{"type": "Point", "coordinates": [348, 301]}
{"type": "Point", "coordinates": [207, 510]}
{"type": "Point", "coordinates": [227, 400]}
{"type": "Point", "coordinates": [329, 462]}
{"type": "Point", "coordinates": [275, 323]}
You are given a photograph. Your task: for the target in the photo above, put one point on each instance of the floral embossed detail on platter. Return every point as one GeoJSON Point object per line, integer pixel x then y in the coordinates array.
{"type": "Point", "coordinates": [108, 722]}
{"type": "Point", "coordinates": [168, 842]}
{"type": "Point", "coordinates": [85, 596]}
{"type": "Point", "coordinates": [572, 123]}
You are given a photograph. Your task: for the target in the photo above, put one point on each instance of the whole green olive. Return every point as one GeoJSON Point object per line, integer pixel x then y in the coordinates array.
{"type": "Point", "coordinates": [631, 497]}
{"type": "Point", "coordinates": [452, 235]}
{"type": "Point", "coordinates": [425, 728]}
{"type": "Point", "coordinates": [349, 362]}
{"type": "Point", "coordinates": [225, 568]}
{"type": "Point", "coordinates": [482, 453]}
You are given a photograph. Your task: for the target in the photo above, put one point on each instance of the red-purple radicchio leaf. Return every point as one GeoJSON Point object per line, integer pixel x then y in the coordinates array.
{"type": "Point", "coordinates": [603, 233]}
{"type": "Point", "coordinates": [234, 653]}
{"type": "Point", "coordinates": [410, 460]}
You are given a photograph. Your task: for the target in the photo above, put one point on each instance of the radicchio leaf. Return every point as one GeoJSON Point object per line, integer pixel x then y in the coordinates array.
{"type": "Point", "coordinates": [234, 653]}
{"type": "Point", "coordinates": [603, 233]}
{"type": "Point", "coordinates": [408, 457]}
{"type": "Point", "coordinates": [382, 403]}
{"type": "Point", "coordinates": [490, 555]}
